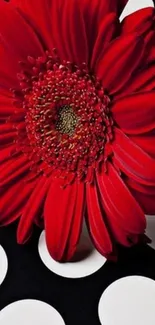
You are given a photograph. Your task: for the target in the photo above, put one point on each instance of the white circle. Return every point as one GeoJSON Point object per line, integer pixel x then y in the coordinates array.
{"type": "Point", "coordinates": [87, 259]}
{"type": "Point", "coordinates": [30, 312]}
{"type": "Point", "coordinates": [150, 230]}
{"type": "Point", "coordinates": [3, 264]}
{"type": "Point", "coordinates": [127, 301]}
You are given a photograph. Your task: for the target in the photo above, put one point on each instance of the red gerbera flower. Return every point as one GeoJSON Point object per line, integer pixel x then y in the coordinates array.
{"type": "Point", "coordinates": [77, 122]}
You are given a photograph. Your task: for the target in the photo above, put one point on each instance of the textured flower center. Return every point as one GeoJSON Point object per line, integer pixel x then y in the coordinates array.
{"type": "Point", "coordinates": [68, 120]}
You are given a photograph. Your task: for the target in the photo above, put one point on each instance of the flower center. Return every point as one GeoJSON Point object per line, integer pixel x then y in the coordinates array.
{"type": "Point", "coordinates": [67, 116]}
{"type": "Point", "coordinates": [67, 120]}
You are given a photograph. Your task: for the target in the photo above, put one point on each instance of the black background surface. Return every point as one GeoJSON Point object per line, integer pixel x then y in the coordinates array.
{"type": "Point", "coordinates": [75, 299]}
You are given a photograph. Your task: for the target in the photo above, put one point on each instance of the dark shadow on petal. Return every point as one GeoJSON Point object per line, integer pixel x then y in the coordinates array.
{"type": "Point", "coordinates": [85, 247]}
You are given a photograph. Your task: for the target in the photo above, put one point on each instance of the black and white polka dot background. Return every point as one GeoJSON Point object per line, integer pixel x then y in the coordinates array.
{"type": "Point", "coordinates": [34, 289]}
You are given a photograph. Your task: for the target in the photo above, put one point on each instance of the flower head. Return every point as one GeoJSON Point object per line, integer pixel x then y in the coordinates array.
{"type": "Point", "coordinates": [77, 122]}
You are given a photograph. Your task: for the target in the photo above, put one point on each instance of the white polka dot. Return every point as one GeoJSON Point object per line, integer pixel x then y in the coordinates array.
{"type": "Point", "coordinates": [30, 312]}
{"type": "Point", "coordinates": [87, 259]}
{"type": "Point", "coordinates": [134, 5]}
{"type": "Point", "coordinates": [3, 264]}
{"type": "Point", "coordinates": [150, 230]}
{"type": "Point", "coordinates": [130, 300]}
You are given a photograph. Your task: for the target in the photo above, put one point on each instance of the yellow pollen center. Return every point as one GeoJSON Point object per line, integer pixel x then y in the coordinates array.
{"type": "Point", "coordinates": [67, 120]}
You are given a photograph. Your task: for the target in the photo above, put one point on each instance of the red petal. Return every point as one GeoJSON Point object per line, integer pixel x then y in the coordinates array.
{"type": "Point", "coordinates": [13, 170]}
{"type": "Point", "coordinates": [63, 221]}
{"type": "Point", "coordinates": [18, 34]}
{"type": "Point", "coordinates": [60, 25]}
{"type": "Point", "coordinates": [8, 138]}
{"type": "Point", "coordinates": [147, 202]}
{"type": "Point", "coordinates": [7, 152]}
{"type": "Point", "coordinates": [6, 128]}
{"type": "Point", "coordinates": [17, 42]}
{"type": "Point", "coordinates": [132, 160]}
{"type": "Point", "coordinates": [143, 194]}
{"type": "Point", "coordinates": [108, 29]}
{"type": "Point", "coordinates": [38, 15]}
{"type": "Point", "coordinates": [87, 5]}
{"type": "Point", "coordinates": [67, 30]}
{"type": "Point", "coordinates": [6, 105]}
{"type": "Point", "coordinates": [120, 59]}
{"type": "Point", "coordinates": [33, 209]}
{"type": "Point", "coordinates": [103, 7]}
{"type": "Point", "coordinates": [94, 13]}
{"type": "Point", "coordinates": [142, 80]}
{"type": "Point", "coordinates": [148, 190]}
{"type": "Point", "coordinates": [77, 22]}
{"type": "Point", "coordinates": [149, 40]}
{"type": "Point", "coordinates": [12, 201]}
{"type": "Point", "coordinates": [78, 219]}
{"type": "Point", "coordinates": [70, 24]}
{"type": "Point", "coordinates": [139, 21]}
{"type": "Point", "coordinates": [144, 77]}
{"type": "Point", "coordinates": [118, 234]}
{"type": "Point", "coordinates": [135, 114]}
{"type": "Point", "coordinates": [8, 69]}
{"type": "Point", "coordinates": [96, 222]}
{"type": "Point", "coordinates": [119, 204]}
{"type": "Point", "coordinates": [151, 50]}
{"type": "Point", "coordinates": [146, 142]}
